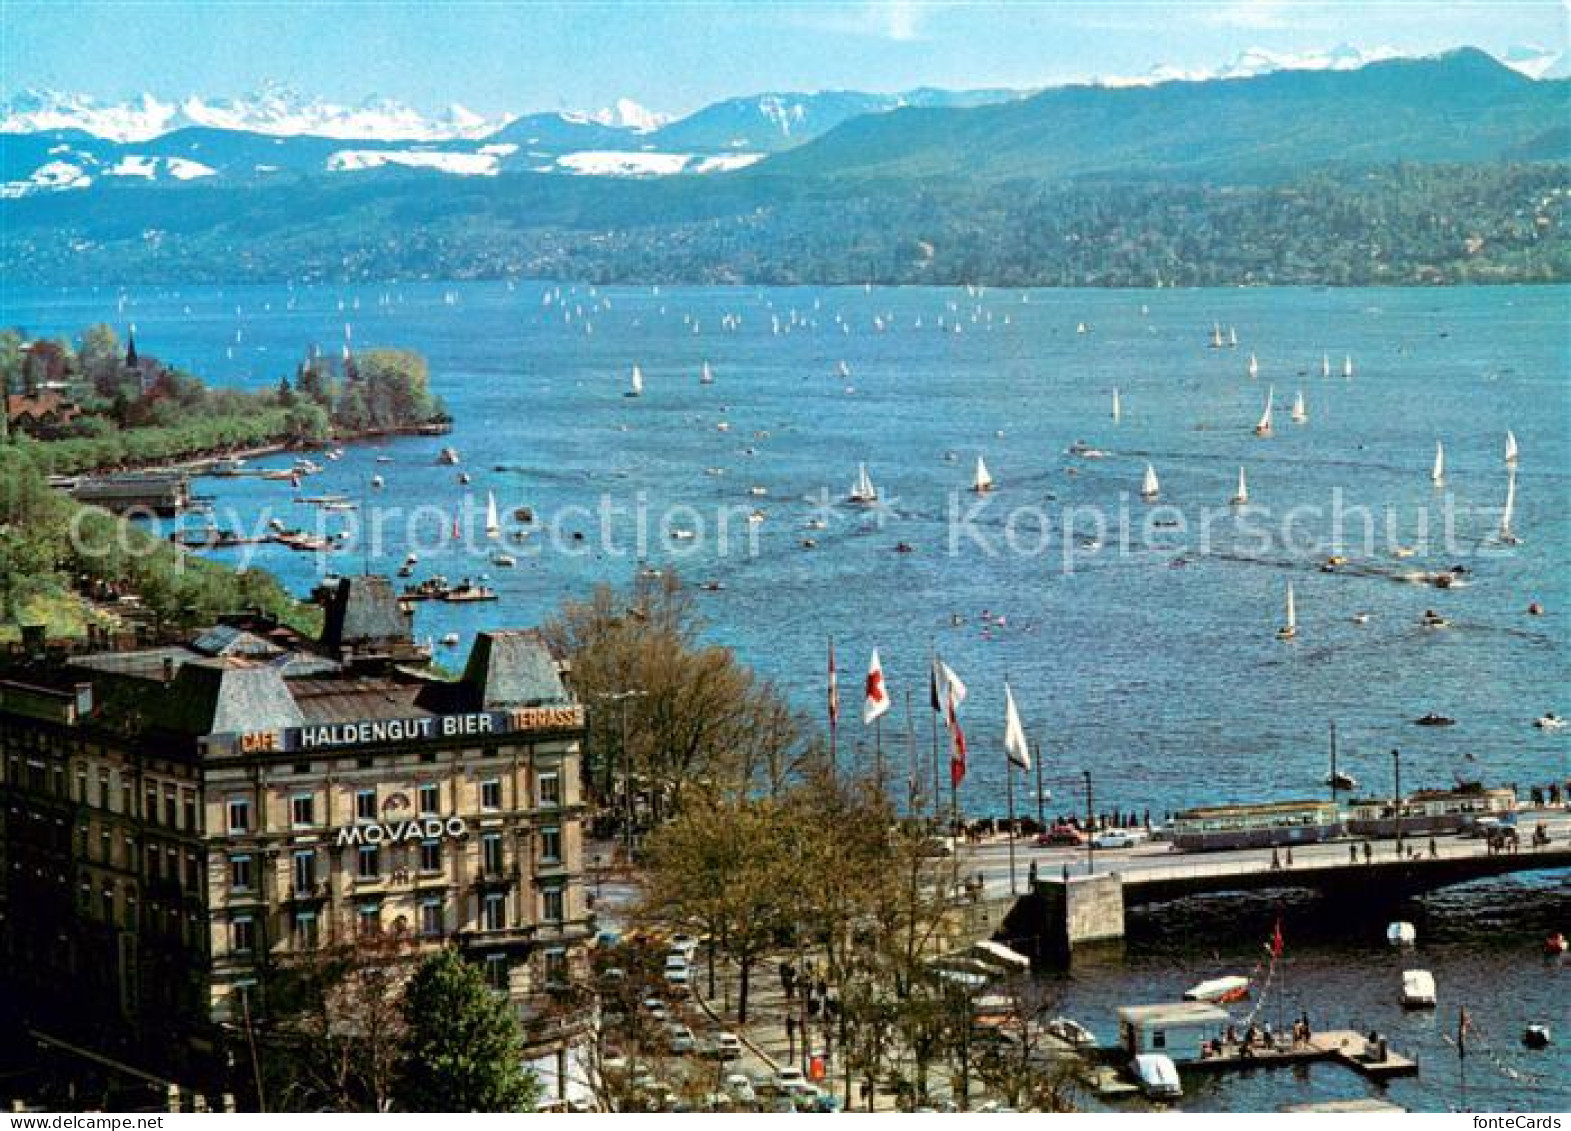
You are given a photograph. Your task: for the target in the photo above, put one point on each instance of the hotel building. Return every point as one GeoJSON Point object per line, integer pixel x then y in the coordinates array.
{"type": "Point", "coordinates": [178, 824]}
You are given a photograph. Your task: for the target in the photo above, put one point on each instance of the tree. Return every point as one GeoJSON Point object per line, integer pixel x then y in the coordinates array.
{"type": "Point", "coordinates": [463, 1051]}
{"type": "Point", "coordinates": [100, 359]}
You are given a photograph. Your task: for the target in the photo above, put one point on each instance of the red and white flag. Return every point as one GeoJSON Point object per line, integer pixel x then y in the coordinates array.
{"type": "Point", "coordinates": [875, 704]}
{"type": "Point", "coordinates": [954, 693]}
{"type": "Point", "coordinates": [834, 688]}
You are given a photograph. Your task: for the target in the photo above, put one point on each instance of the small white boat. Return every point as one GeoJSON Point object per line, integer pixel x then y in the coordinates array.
{"type": "Point", "coordinates": [983, 482]}
{"type": "Point", "coordinates": [1401, 933]}
{"type": "Point", "coordinates": [506, 561]}
{"type": "Point", "coordinates": [1157, 1075]}
{"type": "Point", "coordinates": [1241, 493]}
{"type": "Point", "coordinates": [1149, 487]}
{"type": "Point", "coordinates": [450, 640]}
{"type": "Point", "coordinates": [1549, 721]}
{"type": "Point", "coordinates": [1437, 474]}
{"type": "Point", "coordinates": [1300, 410]}
{"type": "Point", "coordinates": [1219, 991]}
{"type": "Point", "coordinates": [1418, 989]}
{"type": "Point", "coordinates": [863, 493]}
{"type": "Point", "coordinates": [1263, 428]}
{"type": "Point", "coordinates": [1290, 628]}
{"type": "Point", "coordinates": [1511, 450]}
{"type": "Point", "coordinates": [376, 481]}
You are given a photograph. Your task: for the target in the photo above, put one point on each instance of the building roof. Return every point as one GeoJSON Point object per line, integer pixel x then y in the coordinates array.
{"type": "Point", "coordinates": [514, 668]}
{"type": "Point", "coordinates": [1256, 807]}
{"type": "Point", "coordinates": [363, 615]}
{"type": "Point", "coordinates": [225, 696]}
{"type": "Point", "coordinates": [1173, 1013]}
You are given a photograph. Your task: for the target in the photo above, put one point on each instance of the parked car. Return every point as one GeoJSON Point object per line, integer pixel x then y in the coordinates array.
{"type": "Point", "coordinates": [740, 1088]}
{"type": "Point", "coordinates": [677, 971]}
{"type": "Point", "coordinates": [1061, 834]}
{"type": "Point", "coordinates": [726, 1046]}
{"type": "Point", "coordinates": [787, 1078]}
{"type": "Point", "coordinates": [656, 1008]}
{"type": "Point", "coordinates": [1113, 838]}
{"type": "Point", "coordinates": [679, 1038]}
{"type": "Point", "coordinates": [685, 945]}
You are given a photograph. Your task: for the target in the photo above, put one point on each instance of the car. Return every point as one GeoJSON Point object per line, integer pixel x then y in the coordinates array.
{"type": "Point", "coordinates": [678, 975]}
{"type": "Point", "coordinates": [740, 1088]}
{"type": "Point", "coordinates": [679, 1038]}
{"type": "Point", "coordinates": [685, 945]}
{"type": "Point", "coordinates": [726, 1046]}
{"type": "Point", "coordinates": [1113, 838]}
{"type": "Point", "coordinates": [787, 1078]}
{"type": "Point", "coordinates": [1070, 1030]}
{"type": "Point", "coordinates": [655, 1007]}
{"type": "Point", "coordinates": [1060, 834]}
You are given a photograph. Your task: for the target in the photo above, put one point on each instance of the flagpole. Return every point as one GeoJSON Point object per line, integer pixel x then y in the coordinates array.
{"type": "Point", "coordinates": [1009, 770]}
{"type": "Point", "coordinates": [834, 711]}
{"type": "Point", "coordinates": [911, 777]}
{"type": "Point", "coordinates": [932, 676]}
{"type": "Point", "coordinates": [878, 751]}
{"type": "Point", "coordinates": [1041, 797]}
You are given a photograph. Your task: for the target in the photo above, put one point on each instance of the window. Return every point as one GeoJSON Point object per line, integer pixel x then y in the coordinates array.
{"type": "Point", "coordinates": [81, 785]}
{"type": "Point", "coordinates": [150, 804]}
{"type": "Point", "coordinates": [368, 918]}
{"type": "Point", "coordinates": [550, 790]}
{"type": "Point", "coordinates": [365, 805]}
{"type": "Point", "coordinates": [1158, 1039]}
{"type": "Point", "coordinates": [430, 856]}
{"type": "Point", "coordinates": [239, 814]}
{"type": "Point", "coordinates": [431, 917]}
{"type": "Point", "coordinates": [496, 971]}
{"type": "Point", "coordinates": [242, 934]}
{"type": "Point", "coordinates": [302, 810]}
{"type": "Point", "coordinates": [305, 870]}
{"type": "Point", "coordinates": [240, 873]}
{"type": "Point", "coordinates": [103, 788]}
{"type": "Point", "coordinates": [491, 793]}
{"type": "Point", "coordinates": [369, 864]}
{"type": "Point", "coordinates": [305, 934]}
{"type": "Point", "coordinates": [493, 912]}
{"type": "Point", "coordinates": [188, 802]}
{"type": "Point", "coordinates": [107, 898]}
{"type": "Point", "coordinates": [491, 854]}
{"type": "Point", "coordinates": [171, 807]}
{"type": "Point", "coordinates": [430, 798]}
{"type": "Point", "coordinates": [551, 845]}
{"type": "Point", "coordinates": [556, 967]}
{"type": "Point", "coordinates": [552, 905]}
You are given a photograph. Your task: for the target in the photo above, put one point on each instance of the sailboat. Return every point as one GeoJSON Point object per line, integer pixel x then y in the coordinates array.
{"type": "Point", "coordinates": [1118, 411]}
{"type": "Point", "coordinates": [1511, 452]}
{"type": "Point", "coordinates": [1507, 535]}
{"type": "Point", "coordinates": [844, 369]}
{"type": "Point", "coordinates": [1289, 629]}
{"type": "Point", "coordinates": [1232, 336]}
{"type": "Point", "coordinates": [1240, 496]}
{"type": "Point", "coordinates": [1216, 335]}
{"type": "Point", "coordinates": [1438, 475]}
{"type": "Point", "coordinates": [1254, 366]}
{"type": "Point", "coordinates": [636, 389]}
{"type": "Point", "coordinates": [1347, 365]}
{"type": "Point", "coordinates": [863, 491]}
{"type": "Point", "coordinates": [1264, 427]}
{"type": "Point", "coordinates": [493, 526]}
{"type": "Point", "coordinates": [706, 377]}
{"type": "Point", "coordinates": [1300, 410]}
{"type": "Point", "coordinates": [1325, 365]}
{"type": "Point", "coordinates": [1149, 488]}
{"type": "Point", "coordinates": [983, 482]}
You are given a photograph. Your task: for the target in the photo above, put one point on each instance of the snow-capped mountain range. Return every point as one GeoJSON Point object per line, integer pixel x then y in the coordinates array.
{"type": "Point", "coordinates": [51, 141]}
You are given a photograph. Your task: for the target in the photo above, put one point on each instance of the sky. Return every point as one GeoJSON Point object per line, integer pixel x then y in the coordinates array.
{"type": "Point", "coordinates": [513, 56]}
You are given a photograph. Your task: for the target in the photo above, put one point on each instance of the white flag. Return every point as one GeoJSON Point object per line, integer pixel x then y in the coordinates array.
{"type": "Point", "coordinates": [876, 703]}
{"type": "Point", "coordinates": [1014, 734]}
{"type": "Point", "coordinates": [956, 689]}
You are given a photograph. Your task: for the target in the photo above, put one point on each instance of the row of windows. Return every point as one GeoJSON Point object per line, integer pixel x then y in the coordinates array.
{"type": "Point", "coordinates": [169, 805]}
{"type": "Point", "coordinates": [303, 809]}
{"type": "Point", "coordinates": [429, 856]}
{"type": "Point", "coordinates": [305, 932]}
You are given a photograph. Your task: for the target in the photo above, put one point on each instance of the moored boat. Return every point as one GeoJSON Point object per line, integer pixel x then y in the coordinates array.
{"type": "Point", "coordinates": [1219, 991]}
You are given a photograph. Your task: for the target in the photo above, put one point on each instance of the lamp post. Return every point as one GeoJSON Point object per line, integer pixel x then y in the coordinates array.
{"type": "Point", "coordinates": [1090, 828]}
{"type": "Point", "coordinates": [621, 697]}
{"type": "Point", "coordinates": [1396, 785]}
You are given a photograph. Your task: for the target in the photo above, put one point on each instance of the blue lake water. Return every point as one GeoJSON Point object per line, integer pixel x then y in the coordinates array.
{"type": "Point", "coordinates": [1157, 668]}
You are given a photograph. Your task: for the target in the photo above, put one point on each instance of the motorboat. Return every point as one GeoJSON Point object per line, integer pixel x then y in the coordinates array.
{"type": "Point", "coordinates": [1432, 619]}
{"type": "Point", "coordinates": [1219, 991]}
{"type": "Point", "coordinates": [1434, 720]}
{"type": "Point", "coordinates": [1157, 1076]}
{"type": "Point", "coordinates": [450, 640]}
{"type": "Point", "coordinates": [1341, 780]}
{"type": "Point", "coordinates": [466, 591]}
{"type": "Point", "coordinates": [1549, 721]}
{"type": "Point", "coordinates": [682, 534]}
{"type": "Point", "coordinates": [1401, 933]}
{"type": "Point", "coordinates": [1537, 1037]}
{"type": "Point", "coordinates": [1071, 1032]}
{"type": "Point", "coordinates": [448, 457]}
{"type": "Point", "coordinates": [1418, 989]}
{"type": "Point", "coordinates": [1555, 944]}
{"type": "Point", "coordinates": [506, 561]}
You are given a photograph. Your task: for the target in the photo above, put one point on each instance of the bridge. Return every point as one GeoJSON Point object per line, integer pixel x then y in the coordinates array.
{"type": "Point", "coordinates": [1072, 898]}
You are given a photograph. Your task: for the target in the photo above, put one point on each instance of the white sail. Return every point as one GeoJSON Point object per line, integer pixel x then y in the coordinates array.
{"type": "Point", "coordinates": [1347, 365]}
{"type": "Point", "coordinates": [1232, 336]}
{"type": "Point", "coordinates": [706, 377]}
{"type": "Point", "coordinates": [1264, 427]}
{"type": "Point", "coordinates": [983, 482]}
{"type": "Point", "coordinates": [863, 490]}
{"type": "Point", "coordinates": [1300, 410]}
{"type": "Point", "coordinates": [1509, 511]}
{"type": "Point", "coordinates": [1325, 365]}
{"type": "Point", "coordinates": [1511, 452]}
{"type": "Point", "coordinates": [1149, 488]}
{"type": "Point", "coordinates": [493, 527]}
{"type": "Point", "coordinates": [1438, 475]}
{"type": "Point", "coordinates": [1241, 496]}
{"type": "Point", "coordinates": [1290, 627]}
{"type": "Point", "coordinates": [1118, 411]}
{"type": "Point", "coordinates": [1254, 366]}
{"type": "Point", "coordinates": [1216, 335]}
{"type": "Point", "coordinates": [637, 387]}
{"type": "Point", "coordinates": [845, 370]}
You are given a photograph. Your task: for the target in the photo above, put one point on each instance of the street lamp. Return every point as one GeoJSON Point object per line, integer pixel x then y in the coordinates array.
{"type": "Point", "coordinates": [622, 697]}
{"type": "Point", "coordinates": [1396, 777]}
{"type": "Point", "coordinates": [1090, 828]}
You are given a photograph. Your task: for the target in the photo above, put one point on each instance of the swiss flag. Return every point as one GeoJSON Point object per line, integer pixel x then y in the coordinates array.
{"type": "Point", "coordinates": [954, 695]}
{"type": "Point", "coordinates": [875, 704]}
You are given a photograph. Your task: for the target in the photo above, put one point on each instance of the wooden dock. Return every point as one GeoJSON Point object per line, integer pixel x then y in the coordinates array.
{"type": "Point", "coordinates": [1339, 1046]}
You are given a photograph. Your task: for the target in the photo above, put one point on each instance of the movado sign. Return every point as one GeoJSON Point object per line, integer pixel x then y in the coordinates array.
{"type": "Point", "coordinates": [426, 828]}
